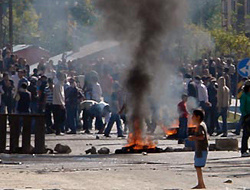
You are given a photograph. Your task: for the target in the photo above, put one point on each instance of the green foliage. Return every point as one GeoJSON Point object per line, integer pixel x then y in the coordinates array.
{"type": "Point", "coordinates": [193, 42]}
{"type": "Point", "coordinates": [64, 24]}
{"type": "Point", "coordinates": [25, 22]}
{"type": "Point", "coordinates": [231, 43]}
{"type": "Point", "coordinates": [84, 13]}
{"type": "Point", "coordinates": [206, 13]}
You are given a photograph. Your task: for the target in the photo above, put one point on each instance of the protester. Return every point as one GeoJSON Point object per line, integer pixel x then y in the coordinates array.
{"type": "Point", "coordinates": [92, 109]}
{"type": "Point", "coordinates": [49, 105]}
{"type": "Point", "coordinates": [23, 104]}
{"type": "Point", "coordinates": [245, 111]}
{"type": "Point", "coordinates": [201, 146]}
{"type": "Point", "coordinates": [41, 91]}
{"type": "Point", "coordinates": [115, 109]}
{"type": "Point", "coordinates": [72, 95]}
{"type": "Point", "coordinates": [213, 111]}
{"type": "Point", "coordinates": [96, 89]}
{"type": "Point", "coordinates": [59, 112]}
{"type": "Point", "coordinates": [106, 83]}
{"type": "Point", "coordinates": [7, 86]}
{"type": "Point", "coordinates": [223, 104]}
{"type": "Point", "coordinates": [202, 96]}
{"type": "Point", "coordinates": [32, 88]}
{"type": "Point", "coordinates": [183, 119]}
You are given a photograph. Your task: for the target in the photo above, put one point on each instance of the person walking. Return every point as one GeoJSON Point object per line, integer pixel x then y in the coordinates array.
{"type": "Point", "coordinates": [115, 109]}
{"type": "Point", "coordinates": [223, 97]}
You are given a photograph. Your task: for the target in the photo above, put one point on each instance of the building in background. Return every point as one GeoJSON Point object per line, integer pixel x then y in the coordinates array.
{"type": "Point", "coordinates": [31, 53]}
{"type": "Point", "coordinates": [236, 14]}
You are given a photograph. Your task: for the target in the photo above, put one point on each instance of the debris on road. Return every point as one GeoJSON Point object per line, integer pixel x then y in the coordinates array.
{"type": "Point", "coordinates": [104, 150]}
{"type": "Point", "coordinates": [62, 149]}
{"type": "Point", "coordinates": [92, 150]}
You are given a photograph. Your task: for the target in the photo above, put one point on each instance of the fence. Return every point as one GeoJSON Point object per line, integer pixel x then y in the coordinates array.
{"type": "Point", "coordinates": [21, 125]}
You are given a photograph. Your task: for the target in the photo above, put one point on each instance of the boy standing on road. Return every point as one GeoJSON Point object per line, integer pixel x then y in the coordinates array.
{"type": "Point", "coordinates": [201, 146]}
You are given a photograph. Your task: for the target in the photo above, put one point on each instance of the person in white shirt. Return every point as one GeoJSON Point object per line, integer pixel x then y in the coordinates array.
{"type": "Point", "coordinates": [95, 109]}
{"type": "Point", "coordinates": [202, 96]}
{"type": "Point", "coordinates": [59, 112]}
{"type": "Point", "coordinates": [96, 89]}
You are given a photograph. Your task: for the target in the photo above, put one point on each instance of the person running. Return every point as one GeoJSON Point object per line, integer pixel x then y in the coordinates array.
{"type": "Point", "coordinates": [201, 146]}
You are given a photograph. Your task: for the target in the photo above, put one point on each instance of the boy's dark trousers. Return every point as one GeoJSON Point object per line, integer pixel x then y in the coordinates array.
{"type": "Point", "coordinates": [183, 128]}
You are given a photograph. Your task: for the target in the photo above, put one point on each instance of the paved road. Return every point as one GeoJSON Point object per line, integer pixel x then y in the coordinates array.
{"type": "Point", "coordinates": [131, 171]}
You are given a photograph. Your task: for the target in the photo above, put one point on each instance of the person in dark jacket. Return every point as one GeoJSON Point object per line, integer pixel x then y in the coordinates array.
{"type": "Point", "coordinates": [72, 95]}
{"type": "Point", "coordinates": [23, 104]}
{"type": "Point", "coordinates": [7, 96]}
{"type": "Point", "coordinates": [192, 89]}
{"type": "Point", "coordinates": [245, 111]}
{"type": "Point", "coordinates": [32, 88]}
{"type": "Point", "coordinates": [213, 111]}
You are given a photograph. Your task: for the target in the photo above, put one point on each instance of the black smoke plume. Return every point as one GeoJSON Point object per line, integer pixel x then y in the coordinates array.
{"type": "Point", "coordinates": [143, 25]}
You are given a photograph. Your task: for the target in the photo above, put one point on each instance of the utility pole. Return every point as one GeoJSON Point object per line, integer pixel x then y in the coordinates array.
{"type": "Point", "coordinates": [1, 23]}
{"type": "Point", "coordinates": [11, 24]}
{"type": "Point", "coordinates": [6, 23]}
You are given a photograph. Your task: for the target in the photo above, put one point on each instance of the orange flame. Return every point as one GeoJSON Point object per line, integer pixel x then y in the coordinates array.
{"type": "Point", "coordinates": [173, 129]}
{"type": "Point", "coordinates": [136, 139]}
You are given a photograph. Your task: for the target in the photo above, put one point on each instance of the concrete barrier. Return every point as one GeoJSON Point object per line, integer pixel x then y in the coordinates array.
{"type": "Point", "coordinates": [229, 144]}
{"type": "Point", "coordinates": [20, 124]}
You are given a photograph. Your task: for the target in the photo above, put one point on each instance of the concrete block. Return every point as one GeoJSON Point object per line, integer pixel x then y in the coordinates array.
{"type": "Point", "coordinates": [227, 144]}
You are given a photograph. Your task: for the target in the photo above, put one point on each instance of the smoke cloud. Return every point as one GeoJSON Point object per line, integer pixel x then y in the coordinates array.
{"type": "Point", "coordinates": [143, 25]}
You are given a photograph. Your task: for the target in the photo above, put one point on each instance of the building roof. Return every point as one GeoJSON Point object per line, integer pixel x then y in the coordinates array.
{"type": "Point", "coordinates": [84, 51]}
{"type": "Point", "coordinates": [21, 47]}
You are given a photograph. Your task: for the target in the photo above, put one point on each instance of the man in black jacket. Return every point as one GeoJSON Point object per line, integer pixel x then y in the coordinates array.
{"type": "Point", "coordinates": [213, 111]}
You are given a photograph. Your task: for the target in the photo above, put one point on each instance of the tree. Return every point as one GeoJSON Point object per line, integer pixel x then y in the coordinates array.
{"type": "Point", "coordinates": [231, 43]}
{"type": "Point", "coordinates": [65, 24]}
{"type": "Point", "coordinates": [25, 22]}
{"type": "Point", "coordinates": [205, 13]}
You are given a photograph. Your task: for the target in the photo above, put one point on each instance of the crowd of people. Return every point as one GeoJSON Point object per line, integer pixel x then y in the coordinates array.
{"type": "Point", "coordinates": [72, 93]}
{"type": "Point", "coordinates": [212, 84]}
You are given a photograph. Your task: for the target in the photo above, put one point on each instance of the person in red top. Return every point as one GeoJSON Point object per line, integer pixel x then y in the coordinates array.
{"type": "Point", "coordinates": [106, 84]}
{"type": "Point", "coordinates": [183, 119]}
